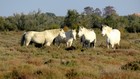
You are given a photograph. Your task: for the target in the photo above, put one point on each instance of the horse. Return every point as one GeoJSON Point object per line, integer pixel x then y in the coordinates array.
{"type": "Point", "coordinates": [44, 38]}
{"type": "Point", "coordinates": [86, 43]}
{"type": "Point", "coordinates": [88, 37]}
{"type": "Point", "coordinates": [70, 36]}
{"type": "Point", "coordinates": [113, 35]}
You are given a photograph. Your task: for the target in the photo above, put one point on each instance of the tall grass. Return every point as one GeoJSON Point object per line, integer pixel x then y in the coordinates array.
{"type": "Point", "coordinates": [18, 62]}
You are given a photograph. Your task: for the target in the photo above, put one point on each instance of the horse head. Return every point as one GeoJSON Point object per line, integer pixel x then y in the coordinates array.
{"type": "Point", "coordinates": [80, 31]}
{"type": "Point", "coordinates": [62, 34]}
{"type": "Point", "coordinates": [106, 30]}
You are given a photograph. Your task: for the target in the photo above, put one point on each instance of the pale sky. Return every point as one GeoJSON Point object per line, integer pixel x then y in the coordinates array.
{"type": "Point", "coordinates": [60, 7]}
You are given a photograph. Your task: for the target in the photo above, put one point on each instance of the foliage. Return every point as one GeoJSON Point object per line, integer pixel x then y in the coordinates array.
{"type": "Point", "coordinates": [134, 23]}
{"type": "Point", "coordinates": [109, 10]}
{"type": "Point", "coordinates": [135, 65]}
{"type": "Point", "coordinates": [111, 20]}
{"type": "Point", "coordinates": [71, 20]}
{"type": "Point", "coordinates": [32, 21]}
{"type": "Point", "coordinates": [90, 18]}
{"type": "Point", "coordinates": [2, 21]}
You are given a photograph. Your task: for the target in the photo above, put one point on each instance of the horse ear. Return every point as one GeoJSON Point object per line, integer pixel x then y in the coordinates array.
{"type": "Point", "coordinates": [102, 25]}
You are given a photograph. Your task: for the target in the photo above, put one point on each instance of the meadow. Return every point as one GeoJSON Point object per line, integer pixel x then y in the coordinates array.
{"type": "Point", "coordinates": [20, 62]}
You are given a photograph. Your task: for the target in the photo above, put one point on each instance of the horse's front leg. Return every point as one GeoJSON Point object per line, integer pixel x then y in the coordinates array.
{"type": "Point", "coordinates": [88, 44]}
{"type": "Point", "coordinates": [47, 43]}
{"type": "Point", "coordinates": [108, 42]}
{"type": "Point", "coordinates": [67, 44]}
{"type": "Point", "coordinates": [112, 45]}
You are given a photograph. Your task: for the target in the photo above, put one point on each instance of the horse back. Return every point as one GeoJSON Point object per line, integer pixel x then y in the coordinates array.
{"type": "Point", "coordinates": [116, 31]}
{"type": "Point", "coordinates": [115, 34]}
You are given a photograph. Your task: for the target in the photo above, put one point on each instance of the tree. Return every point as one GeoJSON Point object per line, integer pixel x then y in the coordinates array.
{"type": "Point", "coordinates": [108, 10]}
{"type": "Point", "coordinates": [71, 20]}
{"type": "Point", "coordinates": [111, 20]}
{"type": "Point", "coordinates": [88, 10]}
{"type": "Point", "coordinates": [134, 23]}
{"type": "Point", "coordinates": [98, 12]}
{"type": "Point", "coordinates": [50, 14]}
{"type": "Point", "coordinates": [96, 20]}
{"type": "Point", "coordinates": [2, 22]}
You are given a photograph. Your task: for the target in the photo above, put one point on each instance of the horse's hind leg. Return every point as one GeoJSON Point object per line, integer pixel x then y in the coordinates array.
{"type": "Point", "coordinates": [27, 42]}
{"type": "Point", "coordinates": [92, 44]}
{"type": "Point", "coordinates": [108, 46]}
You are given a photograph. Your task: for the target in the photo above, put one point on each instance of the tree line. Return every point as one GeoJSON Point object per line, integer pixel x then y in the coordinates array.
{"type": "Point", "coordinates": [90, 18]}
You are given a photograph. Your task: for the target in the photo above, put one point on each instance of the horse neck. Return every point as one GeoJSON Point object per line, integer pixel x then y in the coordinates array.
{"type": "Point", "coordinates": [55, 32]}
{"type": "Point", "coordinates": [108, 32]}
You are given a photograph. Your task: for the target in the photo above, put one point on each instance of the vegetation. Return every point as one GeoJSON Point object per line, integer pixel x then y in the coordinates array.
{"type": "Point", "coordinates": [90, 18]}
{"type": "Point", "coordinates": [32, 21]}
{"type": "Point", "coordinates": [30, 62]}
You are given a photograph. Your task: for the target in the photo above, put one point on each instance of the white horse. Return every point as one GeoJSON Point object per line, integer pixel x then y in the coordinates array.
{"type": "Point", "coordinates": [45, 37]}
{"type": "Point", "coordinates": [87, 36]}
{"type": "Point", "coordinates": [70, 36]}
{"type": "Point", "coordinates": [113, 35]}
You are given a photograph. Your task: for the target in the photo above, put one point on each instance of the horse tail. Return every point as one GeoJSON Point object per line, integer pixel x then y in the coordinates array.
{"type": "Point", "coordinates": [54, 41]}
{"type": "Point", "coordinates": [23, 39]}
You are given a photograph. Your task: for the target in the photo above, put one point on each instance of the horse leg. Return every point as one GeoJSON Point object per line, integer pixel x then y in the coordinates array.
{"type": "Point", "coordinates": [46, 43]}
{"type": "Point", "coordinates": [67, 44]}
{"type": "Point", "coordinates": [27, 42]}
{"type": "Point", "coordinates": [118, 44]}
{"type": "Point", "coordinates": [70, 43]}
{"type": "Point", "coordinates": [112, 46]}
{"type": "Point", "coordinates": [94, 44]}
{"type": "Point", "coordinates": [84, 44]}
{"type": "Point", "coordinates": [88, 44]}
{"type": "Point", "coordinates": [108, 45]}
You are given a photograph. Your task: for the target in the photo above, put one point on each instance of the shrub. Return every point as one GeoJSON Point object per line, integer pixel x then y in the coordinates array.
{"type": "Point", "coordinates": [135, 65]}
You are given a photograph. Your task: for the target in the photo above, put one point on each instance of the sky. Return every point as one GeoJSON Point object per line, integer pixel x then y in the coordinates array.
{"type": "Point", "coordinates": [60, 7]}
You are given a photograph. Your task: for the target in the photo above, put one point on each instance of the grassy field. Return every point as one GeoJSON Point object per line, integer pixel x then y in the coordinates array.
{"type": "Point", "coordinates": [18, 62]}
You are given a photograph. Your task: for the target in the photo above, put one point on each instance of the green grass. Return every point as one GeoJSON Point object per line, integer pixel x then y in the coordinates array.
{"type": "Point", "coordinates": [18, 62]}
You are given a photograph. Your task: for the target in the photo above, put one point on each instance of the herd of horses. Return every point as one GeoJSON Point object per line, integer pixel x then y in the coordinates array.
{"type": "Point", "coordinates": [58, 36]}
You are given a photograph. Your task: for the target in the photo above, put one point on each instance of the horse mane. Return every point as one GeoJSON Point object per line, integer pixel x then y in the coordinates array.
{"type": "Point", "coordinates": [53, 31]}
{"type": "Point", "coordinates": [87, 29]}
{"type": "Point", "coordinates": [109, 29]}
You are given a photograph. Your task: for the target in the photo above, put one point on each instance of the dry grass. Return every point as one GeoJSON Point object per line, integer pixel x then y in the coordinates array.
{"type": "Point", "coordinates": [18, 62]}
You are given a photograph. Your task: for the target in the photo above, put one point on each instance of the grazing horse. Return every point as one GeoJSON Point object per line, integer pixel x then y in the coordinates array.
{"type": "Point", "coordinates": [70, 36]}
{"type": "Point", "coordinates": [113, 35]}
{"type": "Point", "coordinates": [45, 37]}
{"type": "Point", "coordinates": [88, 37]}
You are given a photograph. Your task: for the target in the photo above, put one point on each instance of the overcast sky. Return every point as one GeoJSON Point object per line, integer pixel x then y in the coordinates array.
{"type": "Point", "coordinates": [60, 7]}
